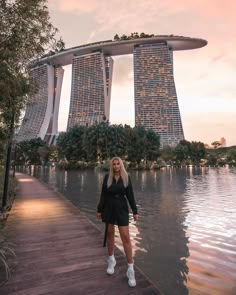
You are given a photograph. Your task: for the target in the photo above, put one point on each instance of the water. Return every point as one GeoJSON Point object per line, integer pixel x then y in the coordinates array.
{"type": "Point", "coordinates": [185, 238]}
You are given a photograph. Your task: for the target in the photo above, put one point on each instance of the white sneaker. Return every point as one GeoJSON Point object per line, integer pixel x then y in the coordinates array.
{"type": "Point", "coordinates": [131, 277]}
{"type": "Point", "coordinates": [111, 266]}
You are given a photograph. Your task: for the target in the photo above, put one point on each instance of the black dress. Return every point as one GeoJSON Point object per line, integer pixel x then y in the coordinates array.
{"type": "Point", "coordinates": [113, 202]}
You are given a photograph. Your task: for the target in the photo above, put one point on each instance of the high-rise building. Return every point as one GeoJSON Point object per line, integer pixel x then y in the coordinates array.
{"type": "Point", "coordinates": [91, 89]}
{"type": "Point", "coordinates": [41, 116]}
{"type": "Point", "coordinates": [156, 105]}
{"type": "Point", "coordinates": [223, 142]}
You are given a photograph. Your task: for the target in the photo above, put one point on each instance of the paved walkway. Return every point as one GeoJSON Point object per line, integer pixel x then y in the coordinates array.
{"type": "Point", "coordinates": [59, 251]}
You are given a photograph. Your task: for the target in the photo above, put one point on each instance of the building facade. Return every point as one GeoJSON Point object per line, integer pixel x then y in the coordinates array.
{"type": "Point", "coordinates": [223, 142]}
{"type": "Point", "coordinates": [156, 104]}
{"type": "Point", "coordinates": [41, 116]}
{"type": "Point", "coordinates": [90, 89]}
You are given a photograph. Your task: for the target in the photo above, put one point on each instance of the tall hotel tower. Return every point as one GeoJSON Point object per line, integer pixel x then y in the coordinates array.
{"type": "Point", "coordinates": [156, 105]}
{"type": "Point", "coordinates": [90, 89]}
{"type": "Point", "coordinates": [41, 116]}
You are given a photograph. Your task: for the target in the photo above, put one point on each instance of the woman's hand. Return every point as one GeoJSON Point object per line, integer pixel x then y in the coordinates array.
{"type": "Point", "coordinates": [99, 215]}
{"type": "Point", "coordinates": [135, 217]}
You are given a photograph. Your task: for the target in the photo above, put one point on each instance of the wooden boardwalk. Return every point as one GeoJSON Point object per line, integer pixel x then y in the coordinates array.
{"type": "Point", "coordinates": [59, 251]}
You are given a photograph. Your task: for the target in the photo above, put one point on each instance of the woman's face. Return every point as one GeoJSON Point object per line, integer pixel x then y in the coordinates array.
{"type": "Point", "coordinates": [116, 166]}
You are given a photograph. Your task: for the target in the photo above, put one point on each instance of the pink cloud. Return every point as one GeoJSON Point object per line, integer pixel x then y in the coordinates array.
{"type": "Point", "coordinates": [214, 8]}
{"type": "Point", "coordinates": [215, 64]}
{"type": "Point", "coordinates": [77, 5]}
{"type": "Point", "coordinates": [209, 8]}
{"type": "Point", "coordinates": [210, 19]}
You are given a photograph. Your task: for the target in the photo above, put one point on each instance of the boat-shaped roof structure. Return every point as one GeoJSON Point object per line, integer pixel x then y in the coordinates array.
{"type": "Point", "coordinates": [119, 47]}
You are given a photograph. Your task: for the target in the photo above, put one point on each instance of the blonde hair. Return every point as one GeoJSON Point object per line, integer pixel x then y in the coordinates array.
{"type": "Point", "coordinates": [123, 172]}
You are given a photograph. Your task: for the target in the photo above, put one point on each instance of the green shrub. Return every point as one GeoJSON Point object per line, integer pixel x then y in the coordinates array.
{"type": "Point", "coordinates": [6, 251]}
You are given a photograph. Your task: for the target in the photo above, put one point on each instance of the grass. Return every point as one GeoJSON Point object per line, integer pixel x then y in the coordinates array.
{"type": "Point", "coordinates": [5, 252]}
{"type": "Point", "coordinates": [5, 248]}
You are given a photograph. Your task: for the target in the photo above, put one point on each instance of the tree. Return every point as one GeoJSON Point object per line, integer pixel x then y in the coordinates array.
{"type": "Point", "coordinates": [90, 143]}
{"type": "Point", "coordinates": [211, 159]}
{"type": "Point", "coordinates": [232, 157]}
{"type": "Point", "coordinates": [152, 145]}
{"type": "Point", "coordinates": [102, 130]}
{"type": "Point", "coordinates": [167, 154]}
{"type": "Point", "coordinates": [32, 152]}
{"type": "Point", "coordinates": [104, 141]}
{"type": "Point", "coordinates": [26, 33]}
{"type": "Point", "coordinates": [116, 141]}
{"type": "Point", "coordinates": [194, 151]}
{"type": "Point", "coordinates": [124, 37]}
{"type": "Point", "coordinates": [70, 144]}
{"type": "Point", "coordinates": [136, 144]}
{"type": "Point", "coordinates": [198, 151]}
{"type": "Point", "coordinates": [43, 152]}
{"type": "Point", "coordinates": [182, 150]}
{"type": "Point", "coordinates": [116, 37]}
{"type": "Point", "coordinates": [216, 144]}
{"type": "Point", "coordinates": [142, 35]}
{"type": "Point", "coordinates": [2, 139]}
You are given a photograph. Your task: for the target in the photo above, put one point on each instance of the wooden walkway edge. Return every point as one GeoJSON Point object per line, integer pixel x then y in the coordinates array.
{"type": "Point", "coordinates": [59, 250]}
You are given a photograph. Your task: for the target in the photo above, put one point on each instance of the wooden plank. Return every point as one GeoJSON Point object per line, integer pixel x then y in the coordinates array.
{"type": "Point", "coordinates": [59, 251]}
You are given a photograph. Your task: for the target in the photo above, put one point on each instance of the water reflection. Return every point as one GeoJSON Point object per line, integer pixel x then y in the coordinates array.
{"type": "Point", "coordinates": [185, 239]}
{"type": "Point", "coordinates": [211, 227]}
{"type": "Point", "coordinates": [162, 232]}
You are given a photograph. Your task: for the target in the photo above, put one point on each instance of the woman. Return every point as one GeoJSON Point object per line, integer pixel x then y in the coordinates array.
{"type": "Point", "coordinates": [113, 209]}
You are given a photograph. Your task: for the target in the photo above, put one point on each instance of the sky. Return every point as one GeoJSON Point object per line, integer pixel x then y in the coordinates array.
{"type": "Point", "coordinates": [205, 78]}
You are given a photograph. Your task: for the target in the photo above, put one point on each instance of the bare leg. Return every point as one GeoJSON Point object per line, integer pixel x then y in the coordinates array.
{"type": "Point", "coordinates": [110, 239]}
{"type": "Point", "coordinates": [124, 234]}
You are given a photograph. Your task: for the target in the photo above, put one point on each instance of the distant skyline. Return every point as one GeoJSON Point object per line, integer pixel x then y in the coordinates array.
{"type": "Point", "coordinates": [204, 78]}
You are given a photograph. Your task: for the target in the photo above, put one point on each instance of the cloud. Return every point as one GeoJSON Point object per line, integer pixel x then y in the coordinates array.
{"type": "Point", "coordinates": [79, 6]}
{"type": "Point", "coordinates": [209, 19]}
{"type": "Point", "coordinates": [208, 127]}
{"type": "Point", "coordinates": [112, 12]}
{"type": "Point", "coordinates": [204, 7]}
{"type": "Point", "coordinates": [205, 78]}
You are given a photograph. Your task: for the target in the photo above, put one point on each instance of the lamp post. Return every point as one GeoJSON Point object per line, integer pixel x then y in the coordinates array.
{"type": "Point", "coordinates": [6, 178]}
{"type": "Point", "coordinates": [8, 160]}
